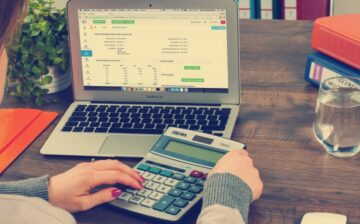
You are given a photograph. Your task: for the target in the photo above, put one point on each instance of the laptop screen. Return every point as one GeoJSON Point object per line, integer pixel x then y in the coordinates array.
{"type": "Point", "coordinates": [154, 50]}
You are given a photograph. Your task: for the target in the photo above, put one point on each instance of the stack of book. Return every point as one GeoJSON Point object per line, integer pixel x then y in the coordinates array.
{"type": "Point", "coordinates": [295, 9]}
{"type": "Point", "coordinates": [19, 128]}
{"type": "Point", "coordinates": [337, 42]}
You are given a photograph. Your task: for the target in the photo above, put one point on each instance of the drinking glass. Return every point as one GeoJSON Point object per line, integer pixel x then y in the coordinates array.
{"type": "Point", "coordinates": [337, 120]}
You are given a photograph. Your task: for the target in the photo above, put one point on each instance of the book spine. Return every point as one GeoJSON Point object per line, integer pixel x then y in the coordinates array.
{"type": "Point", "coordinates": [277, 9]}
{"type": "Point", "coordinates": [331, 12]}
{"type": "Point", "coordinates": [311, 10]}
{"type": "Point", "coordinates": [290, 10]}
{"type": "Point", "coordinates": [253, 8]}
{"type": "Point", "coordinates": [317, 70]}
{"type": "Point", "coordinates": [245, 9]}
{"type": "Point", "coordinates": [266, 9]}
{"type": "Point", "coordinates": [336, 45]}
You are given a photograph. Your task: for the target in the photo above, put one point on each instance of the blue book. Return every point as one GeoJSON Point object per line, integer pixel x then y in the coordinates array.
{"type": "Point", "coordinates": [268, 9]}
{"type": "Point", "coordinates": [247, 9]}
{"type": "Point", "coordinates": [320, 67]}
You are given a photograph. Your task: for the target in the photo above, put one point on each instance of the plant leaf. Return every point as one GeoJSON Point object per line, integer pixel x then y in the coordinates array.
{"type": "Point", "coordinates": [57, 60]}
{"type": "Point", "coordinates": [39, 101]}
{"type": "Point", "coordinates": [37, 91]}
{"type": "Point", "coordinates": [47, 80]}
{"type": "Point", "coordinates": [36, 70]}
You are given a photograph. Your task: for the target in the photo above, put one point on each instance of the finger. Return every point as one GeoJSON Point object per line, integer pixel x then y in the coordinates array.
{"type": "Point", "coordinates": [238, 152]}
{"type": "Point", "coordinates": [243, 152]}
{"type": "Point", "coordinates": [103, 165]}
{"type": "Point", "coordinates": [115, 177]}
{"type": "Point", "coordinates": [100, 197]}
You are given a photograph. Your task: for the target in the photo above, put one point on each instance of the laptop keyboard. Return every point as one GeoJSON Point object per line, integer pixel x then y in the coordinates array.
{"type": "Point", "coordinates": [144, 119]}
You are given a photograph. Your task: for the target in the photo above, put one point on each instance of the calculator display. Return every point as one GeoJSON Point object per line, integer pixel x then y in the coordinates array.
{"type": "Point", "coordinates": [193, 151]}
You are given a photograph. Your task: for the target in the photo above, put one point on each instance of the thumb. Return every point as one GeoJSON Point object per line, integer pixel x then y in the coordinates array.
{"type": "Point", "coordinates": [100, 197]}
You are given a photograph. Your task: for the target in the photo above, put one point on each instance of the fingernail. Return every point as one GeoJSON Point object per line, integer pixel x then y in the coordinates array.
{"type": "Point", "coordinates": [141, 185]}
{"type": "Point", "coordinates": [142, 178]}
{"type": "Point", "coordinates": [116, 193]}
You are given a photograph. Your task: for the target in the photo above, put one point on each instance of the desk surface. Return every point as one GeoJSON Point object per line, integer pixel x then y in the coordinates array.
{"type": "Point", "coordinates": [275, 120]}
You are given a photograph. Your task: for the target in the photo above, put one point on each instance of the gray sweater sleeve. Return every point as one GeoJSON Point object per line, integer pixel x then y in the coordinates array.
{"type": "Point", "coordinates": [230, 193]}
{"type": "Point", "coordinates": [34, 187]}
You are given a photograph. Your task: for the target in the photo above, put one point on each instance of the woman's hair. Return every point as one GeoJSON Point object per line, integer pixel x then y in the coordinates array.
{"type": "Point", "coordinates": [11, 12]}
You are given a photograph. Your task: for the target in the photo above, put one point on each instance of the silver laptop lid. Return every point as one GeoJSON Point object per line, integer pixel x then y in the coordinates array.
{"type": "Point", "coordinates": [158, 51]}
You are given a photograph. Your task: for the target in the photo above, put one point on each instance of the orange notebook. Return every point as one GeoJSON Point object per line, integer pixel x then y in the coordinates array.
{"type": "Point", "coordinates": [339, 37]}
{"type": "Point", "coordinates": [18, 129]}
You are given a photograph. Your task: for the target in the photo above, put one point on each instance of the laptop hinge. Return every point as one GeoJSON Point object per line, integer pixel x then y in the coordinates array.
{"type": "Point", "coordinates": [111, 102]}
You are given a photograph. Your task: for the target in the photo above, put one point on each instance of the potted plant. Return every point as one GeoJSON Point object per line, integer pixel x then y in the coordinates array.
{"type": "Point", "coordinates": [39, 57]}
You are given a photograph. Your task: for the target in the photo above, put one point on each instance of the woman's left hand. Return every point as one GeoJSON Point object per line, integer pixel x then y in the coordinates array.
{"type": "Point", "coordinates": [71, 190]}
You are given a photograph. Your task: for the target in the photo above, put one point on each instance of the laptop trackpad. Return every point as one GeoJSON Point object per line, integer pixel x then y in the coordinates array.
{"type": "Point", "coordinates": [127, 145]}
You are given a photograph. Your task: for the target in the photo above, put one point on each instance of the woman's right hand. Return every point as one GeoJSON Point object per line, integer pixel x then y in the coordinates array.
{"type": "Point", "coordinates": [239, 163]}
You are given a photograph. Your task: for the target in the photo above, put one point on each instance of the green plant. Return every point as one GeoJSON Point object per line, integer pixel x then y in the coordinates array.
{"type": "Point", "coordinates": [42, 42]}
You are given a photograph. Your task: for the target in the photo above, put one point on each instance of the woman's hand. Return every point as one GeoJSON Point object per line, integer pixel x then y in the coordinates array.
{"type": "Point", "coordinates": [239, 163]}
{"type": "Point", "coordinates": [71, 190]}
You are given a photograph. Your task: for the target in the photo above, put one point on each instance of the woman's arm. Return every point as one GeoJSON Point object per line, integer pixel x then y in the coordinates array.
{"type": "Point", "coordinates": [230, 188]}
{"type": "Point", "coordinates": [35, 187]}
{"type": "Point", "coordinates": [73, 190]}
{"type": "Point", "coordinates": [226, 200]}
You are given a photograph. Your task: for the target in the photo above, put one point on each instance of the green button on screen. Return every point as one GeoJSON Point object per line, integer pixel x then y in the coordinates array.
{"type": "Point", "coordinates": [192, 67]}
{"type": "Point", "coordinates": [192, 80]}
{"type": "Point", "coordinates": [123, 21]}
{"type": "Point", "coordinates": [99, 21]}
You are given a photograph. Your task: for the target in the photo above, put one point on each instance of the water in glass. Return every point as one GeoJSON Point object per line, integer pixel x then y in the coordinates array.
{"type": "Point", "coordinates": [337, 122]}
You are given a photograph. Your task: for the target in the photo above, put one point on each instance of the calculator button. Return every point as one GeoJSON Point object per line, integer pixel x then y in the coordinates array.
{"type": "Point", "coordinates": [188, 196]}
{"type": "Point", "coordinates": [200, 182]}
{"type": "Point", "coordinates": [156, 195]}
{"type": "Point", "coordinates": [171, 182]}
{"type": "Point", "coordinates": [163, 189]}
{"type": "Point", "coordinates": [190, 180]}
{"type": "Point", "coordinates": [136, 199]}
{"type": "Point", "coordinates": [144, 192]}
{"type": "Point", "coordinates": [172, 210]}
{"type": "Point", "coordinates": [166, 173]}
{"type": "Point", "coordinates": [143, 167]}
{"type": "Point", "coordinates": [125, 196]}
{"type": "Point", "coordinates": [148, 202]}
{"type": "Point", "coordinates": [148, 176]}
{"type": "Point", "coordinates": [196, 173]}
{"type": "Point", "coordinates": [195, 189]}
{"type": "Point", "coordinates": [180, 203]}
{"type": "Point", "coordinates": [159, 179]}
{"type": "Point", "coordinates": [140, 172]}
{"type": "Point", "coordinates": [182, 185]}
{"type": "Point", "coordinates": [132, 191]}
{"type": "Point", "coordinates": [164, 202]}
{"type": "Point", "coordinates": [151, 185]}
{"type": "Point", "coordinates": [175, 192]}
{"type": "Point", "coordinates": [178, 176]}
{"type": "Point", "coordinates": [154, 170]}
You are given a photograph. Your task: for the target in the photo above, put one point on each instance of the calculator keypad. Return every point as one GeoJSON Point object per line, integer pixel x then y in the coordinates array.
{"type": "Point", "coordinates": [136, 199]}
{"type": "Point", "coordinates": [165, 190]}
{"type": "Point", "coordinates": [151, 185]}
{"type": "Point", "coordinates": [156, 195]}
{"type": "Point", "coordinates": [148, 202]}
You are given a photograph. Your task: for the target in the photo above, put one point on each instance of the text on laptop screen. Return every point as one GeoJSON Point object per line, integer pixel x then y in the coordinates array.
{"type": "Point", "coordinates": [163, 50]}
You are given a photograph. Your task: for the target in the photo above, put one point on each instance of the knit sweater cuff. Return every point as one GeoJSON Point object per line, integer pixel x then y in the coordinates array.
{"type": "Point", "coordinates": [228, 190]}
{"type": "Point", "coordinates": [34, 187]}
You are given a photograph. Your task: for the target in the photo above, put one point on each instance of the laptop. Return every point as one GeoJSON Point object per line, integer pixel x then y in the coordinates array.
{"type": "Point", "coordinates": [141, 66]}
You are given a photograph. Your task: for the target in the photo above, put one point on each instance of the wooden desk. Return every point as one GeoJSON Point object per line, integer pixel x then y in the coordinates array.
{"type": "Point", "coordinates": [275, 120]}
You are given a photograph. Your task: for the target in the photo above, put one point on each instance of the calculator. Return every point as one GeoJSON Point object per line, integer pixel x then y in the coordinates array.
{"type": "Point", "coordinates": [175, 170]}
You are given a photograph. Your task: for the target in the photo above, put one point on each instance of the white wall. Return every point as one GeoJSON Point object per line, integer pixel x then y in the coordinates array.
{"type": "Point", "coordinates": [341, 7]}
{"type": "Point", "coordinates": [60, 3]}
